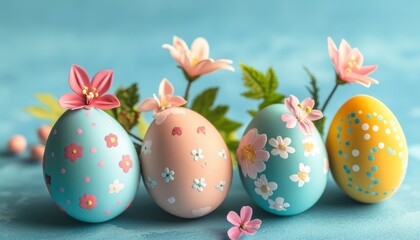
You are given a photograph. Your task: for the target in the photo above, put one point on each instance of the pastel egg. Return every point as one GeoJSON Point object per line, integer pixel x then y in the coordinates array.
{"type": "Point", "coordinates": [283, 171]}
{"type": "Point", "coordinates": [367, 150]}
{"type": "Point", "coordinates": [186, 165]}
{"type": "Point", "coordinates": [91, 170]}
{"type": "Point", "coordinates": [17, 144]}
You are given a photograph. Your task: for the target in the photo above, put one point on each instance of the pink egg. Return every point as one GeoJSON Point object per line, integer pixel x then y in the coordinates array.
{"type": "Point", "coordinates": [43, 133]}
{"type": "Point", "coordinates": [17, 144]}
{"type": "Point", "coordinates": [37, 152]}
{"type": "Point", "coordinates": [186, 164]}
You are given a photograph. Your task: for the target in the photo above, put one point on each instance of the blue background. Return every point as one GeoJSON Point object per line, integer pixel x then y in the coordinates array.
{"type": "Point", "coordinates": [39, 40]}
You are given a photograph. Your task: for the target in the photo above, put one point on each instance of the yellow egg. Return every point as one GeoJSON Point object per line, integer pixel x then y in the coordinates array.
{"type": "Point", "coordinates": [367, 150]}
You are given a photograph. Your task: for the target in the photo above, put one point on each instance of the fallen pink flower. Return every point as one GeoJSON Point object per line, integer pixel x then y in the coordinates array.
{"type": "Point", "coordinates": [242, 224]}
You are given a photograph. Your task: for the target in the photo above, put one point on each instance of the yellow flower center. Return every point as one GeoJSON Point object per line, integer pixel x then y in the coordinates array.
{"type": "Point", "coordinates": [302, 175]}
{"type": "Point", "coordinates": [127, 163]}
{"type": "Point", "coordinates": [194, 62]}
{"type": "Point", "coordinates": [308, 146]}
{"type": "Point", "coordinates": [265, 189]}
{"type": "Point", "coordinates": [353, 64]}
{"type": "Point", "coordinates": [282, 147]}
{"type": "Point", "coordinates": [248, 153]}
{"type": "Point", "coordinates": [89, 93]}
{"type": "Point", "coordinates": [74, 151]}
{"type": "Point", "coordinates": [89, 202]}
{"type": "Point", "coordinates": [112, 139]}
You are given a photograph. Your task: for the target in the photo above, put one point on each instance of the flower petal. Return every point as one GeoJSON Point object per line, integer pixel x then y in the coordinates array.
{"type": "Point", "coordinates": [287, 141]}
{"type": "Point", "coordinates": [292, 103]}
{"type": "Point", "coordinates": [102, 81]}
{"type": "Point", "coordinates": [234, 218]}
{"type": "Point", "coordinates": [363, 80]}
{"type": "Point", "coordinates": [366, 70]}
{"type": "Point", "coordinates": [176, 101]}
{"type": "Point", "coordinates": [307, 127]}
{"type": "Point", "coordinates": [149, 104]}
{"type": "Point", "coordinates": [234, 233]}
{"type": "Point", "coordinates": [273, 142]}
{"type": "Point", "coordinates": [289, 120]}
{"type": "Point", "coordinates": [255, 223]}
{"type": "Point", "coordinates": [344, 52]}
{"type": "Point", "coordinates": [246, 214]}
{"type": "Point", "coordinates": [199, 49]}
{"type": "Point", "coordinates": [249, 231]}
{"type": "Point", "coordinates": [261, 155]}
{"type": "Point", "coordinates": [294, 177]}
{"type": "Point", "coordinates": [332, 51]}
{"type": "Point", "coordinates": [165, 88]}
{"type": "Point", "coordinates": [71, 101]}
{"type": "Point", "coordinates": [308, 102]}
{"type": "Point", "coordinates": [260, 142]}
{"type": "Point", "coordinates": [78, 79]}
{"type": "Point", "coordinates": [107, 101]}
{"type": "Point", "coordinates": [314, 115]}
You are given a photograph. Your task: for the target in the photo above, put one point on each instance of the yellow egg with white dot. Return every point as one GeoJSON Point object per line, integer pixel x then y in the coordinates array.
{"type": "Point", "coordinates": [367, 150]}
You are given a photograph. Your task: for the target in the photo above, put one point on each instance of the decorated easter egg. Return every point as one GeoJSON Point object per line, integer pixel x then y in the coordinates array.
{"type": "Point", "coordinates": [367, 150]}
{"type": "Point", "coordinates": [91, 167]}
{"type": "Point", "coordinates": [283, 170]}
{"type": "Point", "coordinates": [186, 165]}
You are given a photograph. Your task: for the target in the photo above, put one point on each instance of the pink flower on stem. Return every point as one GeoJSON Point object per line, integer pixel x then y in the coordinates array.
{"type": "Point", "coordinates": [302, 113]}
{"type": "Point", "coordinates": [111, 140]}
{"type": "Point", "coordinates": [73, 152]}
{"type": "Point", "coordinates": [126, 164]}
{"type": "Point", "coordinates": [165, 100]}
{"type": "Point", "coordinates": [89, 94]}
{"type": "Point", "coordinates": [88, 201]}
{"type": "Point", "coordinates": [196, 62]}
{"type": "Point", "coordinates": [242, 224]}
{"type": "Point", "coordinates": [251, 154]}
{"type": "Point", "coordinates": [348, 64]}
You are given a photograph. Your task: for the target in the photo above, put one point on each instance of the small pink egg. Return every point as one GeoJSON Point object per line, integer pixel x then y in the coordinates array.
{"type": "Point", "coordinates": [43, 133]}
{"type": "Point", "coordinates": [17, 144]}
{"type": "Point", "coordinates": [37, 152]}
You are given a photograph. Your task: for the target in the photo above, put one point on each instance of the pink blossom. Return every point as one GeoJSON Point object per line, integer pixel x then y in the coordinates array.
{"type": "Point", "coordinates": [89, 94]}
{"type": "Point", "coordinates": [348, 64]}
{"type": "Point", "coordinates": [251, 154]}
{"type": "Point", "coordinates": [126, 163]}
{"type": "Point", "coordinates": [302, 113]}
{"type": "Point", "coordinates": [165, 101]}
{"type": "Point", "coordinates": [242, 224]}
{"type": "Point", "coordinates": [73, 152]}
{"type": "Point", "coordinates": [196, 62]}
{"type": "Point", "coordinates": [88, 201]}
{"type": "Point", "coordinates": [111, 140]}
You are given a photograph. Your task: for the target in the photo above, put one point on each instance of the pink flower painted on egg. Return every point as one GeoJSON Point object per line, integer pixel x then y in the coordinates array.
{"type": "Point", "coordinates": [73, 152]}
{"type": "Point", "coordinates": [47, 179]}
{"type": "Point", "coordinates": [111, 140]}
{"type": "Point", "coordinates": [251, 154]}
{"type": "Point", "coordinates": [126, 164]}
{"type": "Point", "coordinates": [88, 201]}
{"type": "Point", "coordinates": [88, 94]}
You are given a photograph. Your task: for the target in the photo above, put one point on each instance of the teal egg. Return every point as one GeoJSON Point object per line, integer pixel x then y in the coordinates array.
{"type": "Point", "coordinates": [283, 171]}
{"type": "Point", "coordinates": [91, 167]}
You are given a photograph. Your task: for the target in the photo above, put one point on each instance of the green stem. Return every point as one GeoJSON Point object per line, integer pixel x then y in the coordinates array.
{"type": "Point", "coordinates": [135, 137]}
{"type": "Point", "coordinates": [187, 90]}
{"type": "Point", "coordinates": [329, 97]}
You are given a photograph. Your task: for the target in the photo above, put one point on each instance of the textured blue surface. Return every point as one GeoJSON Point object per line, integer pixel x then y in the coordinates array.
{"type": "Point", "coordinates": [41, 39]}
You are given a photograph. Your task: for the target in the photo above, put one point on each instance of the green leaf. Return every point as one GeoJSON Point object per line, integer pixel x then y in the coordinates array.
{"type": "Point", "coordinates": [203, 102]}
{"type": "Point", "coordinates": [313, 88]}
{"type": "Point", "coordinates": [261, 87]}
{"type": "Point", "coordinates": [127, 114]}
{"type": "Point", "coordinates": [50, 109]}
{"type": "Point", "coordinates": [319, 124]}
